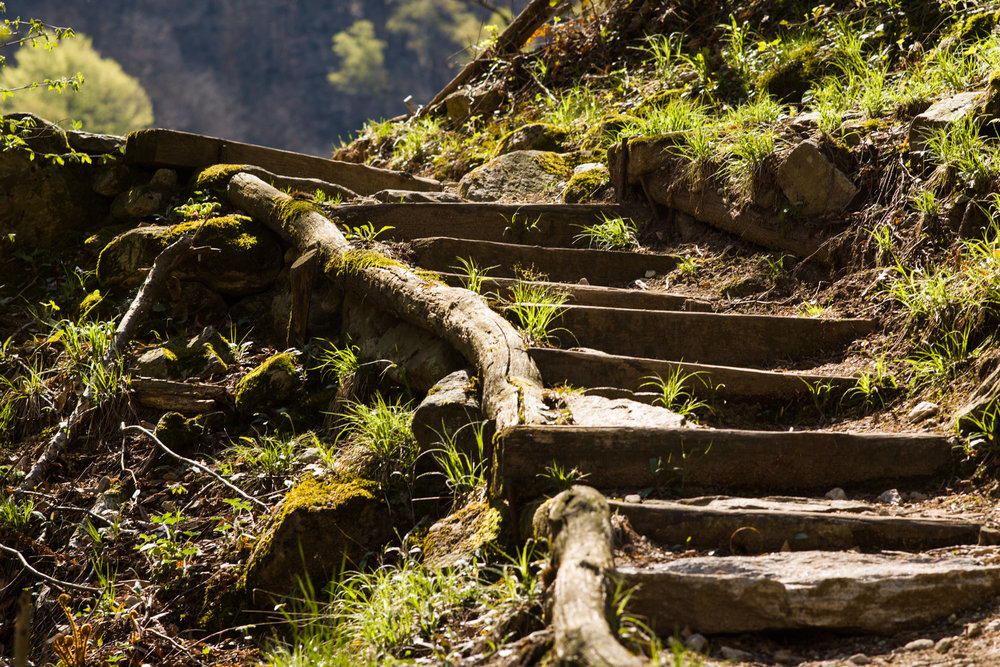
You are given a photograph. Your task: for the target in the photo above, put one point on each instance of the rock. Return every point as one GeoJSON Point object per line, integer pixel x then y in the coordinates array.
{"type": "Point", "coordinates": [919, 645]}
{"type": "Point", "coordinates": [980, 403]}
{"type": "Point", "coordinates": [589, 182]}
{"type": "Point", "coordinates": [450, 409]}
{"type": "Point", "coordinates": [877, 593]}
{"type": "Point", "coordinates": [917, 497]}
{"type": "Point", "coordinates": [164, 178]}
{"type": "Point", "coordinates": [620, 412]}
{"type": "Point", "coordinates": [44, 204]}
{"type": "Point", "coordinates": [783, 657]}
{"type": "Point", "coordinates": [415, 196]}
{"type": "Point", "coordinates": [735, 654]}
{"type": "Point", "coordinates": [269, 385]}
{"type": "Point", "coordinates": [697, 643]}
{"type": "Point", "coordinates": [419, 357]}
{"type": "Point", "coordinates": [633, 498]}
{"type": "Point", "coordinates": [464, 103]}
{"type": "Point", "coordinates": [182, 359]}
{"type": "Point", "coordinates": [112, 180]}
{"type": "Point", "coordinates": [249, 260]}
{"type": "Point", "coordinates": [95, 144]}
{"type": "Point", "coordinates": [942, 114]}
{"type": "Point", "coordinates": [812, 182]}
{"type": "Point", "coordinates": [38, 134]}
{"type": "Point", "coordinates": [534, 137]}
{"type": "Point", "coordinates": [836, 494]}
{"type": "Point", "coordinates": [177, 432]}
{"type": "Point", "coordinates": [141, 201]}
{"type": "Point", "coordinates": [944, 644]}
{"type": "Point", "coordinates": [922, 411]}
{"type": "Point", "coordinates": [648, 154]}
{"type": "Point", "coordinates": [890, 497]}
{"type": "Point", "coordinates": [316, 529]}
{"type": "Point", "coordinates": [519, 176]}
{"type": "Point", "coordinates": [859, 659]}
{"type": "Point", "coordinates": [457, 537]}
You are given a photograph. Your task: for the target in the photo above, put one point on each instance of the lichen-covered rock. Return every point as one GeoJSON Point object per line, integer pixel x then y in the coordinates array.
{"type": "Point", "coordinates": [942, 114]}
{"type": "Point", "coordinates": [269, 385]}
{"type": "Point", "coordinates": [534, 137]}
{"type": "Point", "coordinates": [204, 355]}
{"type": "Point", "coordinates": [39, 135]}
{"type": "Point", "coordinates": [318, 528]}
{"type": "Point", "coordinates": [588, 183]}
{"type": "Point", "coordinates": [458, 536]}
{"type": "Point", "coordinates": [449, 410]}
{"type": "Point", "coordinates": [177, 432]}
{"type": "Point", "coordinates": [141, 201]}
{"type": "Point", "coordinates": [812, 183]}
{"type": "Point", "coordinates": [249, 260]}
{"type": "Point", "coordinates": [519, 176]}
{"type": "Point", "coordinates": [464, 103]}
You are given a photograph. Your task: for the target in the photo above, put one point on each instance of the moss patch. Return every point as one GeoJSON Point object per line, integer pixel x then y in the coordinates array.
{"type": "Point", "coordinates": [216, 176]}
{"type": "Point", "coordinates": [176, 432]}
{"type": "Point", "coordinates": [268, 385]}
{"type": "Point", "coordinates": [461, 534]}
{"type": "Point", "coordinates": [585, 185]}
{"type": "Point", "coordinates": [354, 262]}
{"type": "Point", "coordinates": [789, 80]}
{"type": "Point", "coordinates": [534, 136]}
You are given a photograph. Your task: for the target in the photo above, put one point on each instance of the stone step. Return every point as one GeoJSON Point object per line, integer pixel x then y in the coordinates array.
{"type": "Point", "coordinates": [754, 526]}
{"type": "Point", "coordinates": [593, 295]}
{"type": "Point", "coordinates": [696, 460]}
{"type": "Point", "coordinates": [566, 265]}
{"type": "Point", "coordinates": [580, 368]}
{"type": "Point", "coordinates": [553, 225]}
{"type": "Point", "coordinates": [706, 338]}
{"type": "Point", "coordinates": [842, 591]}
{"type": "Point", "coordinates": [172, 148]}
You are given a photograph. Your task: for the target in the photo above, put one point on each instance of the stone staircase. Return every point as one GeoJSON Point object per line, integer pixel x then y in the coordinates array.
{"type": "Point", "coordinates": [770, 548]}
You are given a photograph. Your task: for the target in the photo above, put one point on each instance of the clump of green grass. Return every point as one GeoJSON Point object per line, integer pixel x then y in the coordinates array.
{"type": "Point", "coordinates": [464, 471]}
{"type": "Point", "coordinates": [474, 274]}
{"type": "Point", "coordinates": [675, 392]}
{"type": "Point", "coordinates": [537, 309]}
{"type": "Point", "coordinates": [378, 441]}
{"type": "Point", "coordinates": [612, 233]}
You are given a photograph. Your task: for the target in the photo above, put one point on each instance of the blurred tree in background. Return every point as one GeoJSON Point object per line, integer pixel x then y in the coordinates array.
{"type": "Point", "coordinates": [101, 97]}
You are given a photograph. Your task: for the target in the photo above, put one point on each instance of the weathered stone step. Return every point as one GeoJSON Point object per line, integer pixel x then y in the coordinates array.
{"type": "Point", "coordinates": [568, 265]}
{"type": "Point", "coordinates": [757, 526]}
{"type": "Point", "coordinates": [594, 295]}
{"type": "Point", "coordinates": [841, 591]}
{"type": "Point", "coordinates": [553, 225]}
{"type": "Point", "coordinates": [171, 148]}
{"type": "Point", "coordinates": [693, 460]}
{"type": "Point", "coordinates": [707, 338]}
{"type": "Point", "coordinates": [709, 382]}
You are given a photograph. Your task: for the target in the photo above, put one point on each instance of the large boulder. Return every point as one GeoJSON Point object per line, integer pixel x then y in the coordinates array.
{"type": "Point", "coordinates": [250, 256]}
{"type": "Point", "coordinates": [519, 176]}
{"type": "Point", "coordinates": [317, 529]}
{"type": "Point", "coordinates": [45, 204]}
{"type": "Point", "coordinates": [812, 183]}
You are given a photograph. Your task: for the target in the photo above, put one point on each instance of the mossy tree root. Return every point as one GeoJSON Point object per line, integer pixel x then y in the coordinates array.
{"type": "Point", "coordinates": [512, 385]}
{"type": "Point", "coordinates": [578, 525]}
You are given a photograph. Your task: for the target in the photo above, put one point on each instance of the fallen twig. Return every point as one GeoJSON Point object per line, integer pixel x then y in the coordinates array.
{"type": "Point", "coordinates": [45, 577]}
{"type": "Point", "coordinates": [195, 464]}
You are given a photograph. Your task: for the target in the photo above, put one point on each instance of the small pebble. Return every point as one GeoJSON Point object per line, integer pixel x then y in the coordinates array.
{"type": "Point", "coordinates": [922, 411]}
{"type": "Point", "coordinates": [890, 497]}
{"type": "Point", "coordinates": [917, 497]}
{"type": "Point", "coordinates": [836, 494]}
{"type": "Point", "coordinates": [697, 643]}
{"type": "Point", "coordinates": [919, 645]}
{"type": "Point", "coordinates": [783, 657]}
{"type": "Point", "coordinates": [944, 644]}
{"type": "Point", "coordinates": [993, 626]}
{"type": "Point", "coordinates": [633, 498]}
{"type": "Point", "coordinates": [650, 274]}
{"type": "Point", "coordinates": [859, 659]}
{"type": "Point", "coordinates": [973, 630]}
{"type": "Point", "coordinates": [639, 284]}
{"type": "Point", "coordinates": [583, 281]}
{"type": "Point", "coordinates": [729, 653]}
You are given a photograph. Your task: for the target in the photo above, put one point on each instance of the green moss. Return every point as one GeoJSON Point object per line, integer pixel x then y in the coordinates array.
{"type": "Point", "coordinates": [234, 232]}
{"type": "Point", "coordinates": [96, 242]}
{"type": "Point", "coordinates": [89, 303]}
{"type": "Point", "coordinates": [290, 210]}
{"type": "Point", "coordinates": [606, 131]}
{"type": "Point", "coordinates": [267, 385]}
{"type": "Point", "coordinates": [429, 276]}
{"type": "Point", "coordinates": [183, 361]}
{"type": "Point", "coordinates": [354, 262]}
{"type": "Point", "coordinates": [583, 186]}
{"type": "Point", "coordinates": [658, 100]}
{"type": "Point", "coordinates": [463, 533]}
{"type": "Point", "coordinates": [973, 27]}
{"type": "Point", "coordinates": [216, 176]}
{"type": "Point", "coordinates": [553, 163]}
{"type": "Point", "coordinates": [534, 136]}
{"type": "Point", "coordinates": [176, 432]}
{"type": "Point", "coordinates": [789, 79]}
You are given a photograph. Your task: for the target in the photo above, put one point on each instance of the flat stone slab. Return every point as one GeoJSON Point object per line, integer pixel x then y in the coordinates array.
{"type": "Point", "coordinates": [587, 369]}
{"type": "Point", "coordinates": [599, 267]}
{"type": "Point", "coordinates": [594, 295]}
{"type": "Point", "coordinates": [172, 148]}
{"type": "Point", "coordinates": [760, 526]}
{"type": "Point", "coordinates": [706, 338]}
{"type": "Point", "coordinates": [553, 225]}
{"type": "Point", "coordinates": [695, 460]}
{"type": "Point", "coordinates": [809, 590]}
